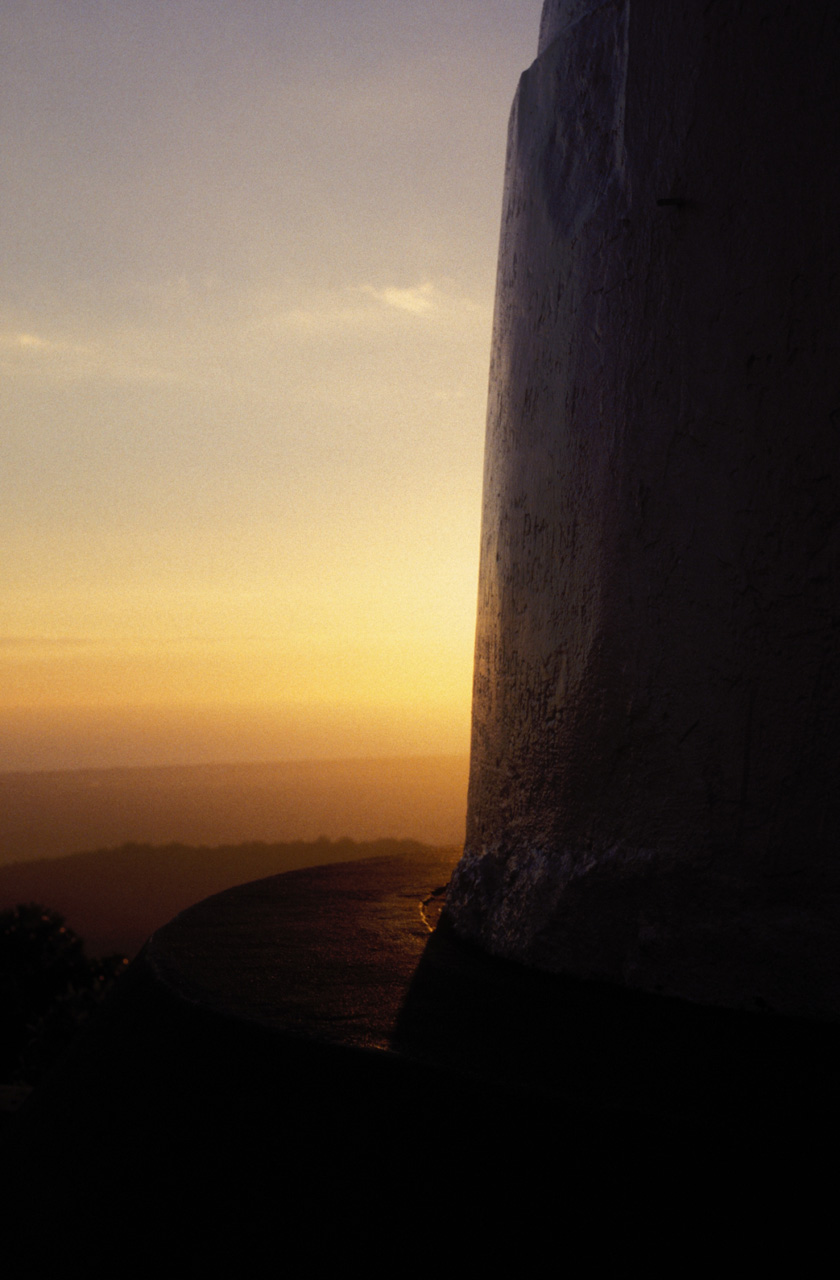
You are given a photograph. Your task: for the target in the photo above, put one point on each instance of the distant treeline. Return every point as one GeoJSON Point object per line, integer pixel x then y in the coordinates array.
{"type": "Point", "coordinates": [49, 815]}
{"type": "Point", "coordinates": [115, 898]}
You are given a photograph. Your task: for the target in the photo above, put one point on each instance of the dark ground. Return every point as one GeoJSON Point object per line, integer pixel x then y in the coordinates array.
{"type": "Point", "coordinates": [301, 1060]}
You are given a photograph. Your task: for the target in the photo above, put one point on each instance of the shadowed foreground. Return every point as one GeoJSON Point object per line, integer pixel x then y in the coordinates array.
{"type": "Point", "coordinates": [301, 1054]}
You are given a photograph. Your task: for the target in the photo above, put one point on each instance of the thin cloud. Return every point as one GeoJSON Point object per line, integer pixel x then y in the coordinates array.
{"type": "Point", "coordinates": [365, 306]}
{"type": "Point", "coordinates": [124, 357]}
{"type": "Point", "coordinates": [418, 300]}
{"type": "Point", "coordinates": [28, 340]}
{"type": "Point", "coordinates": [32, 342]}
{"type": "Point", "coordinates": [315, 320]}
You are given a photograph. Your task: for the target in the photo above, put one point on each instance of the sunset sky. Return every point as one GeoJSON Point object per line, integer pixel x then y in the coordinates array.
{"type": "Point", "coordinates": [249, 254]}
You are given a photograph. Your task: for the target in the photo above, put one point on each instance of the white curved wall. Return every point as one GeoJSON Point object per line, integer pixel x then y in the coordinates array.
{"type": "Point", "coordinates": [653, 793]}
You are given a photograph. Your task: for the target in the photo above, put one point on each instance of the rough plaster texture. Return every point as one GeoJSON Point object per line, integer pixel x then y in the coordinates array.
{"type": "Point", "coordinates": [654, 788]}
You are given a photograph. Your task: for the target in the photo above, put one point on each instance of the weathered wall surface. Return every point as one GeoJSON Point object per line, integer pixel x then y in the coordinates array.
{"type": "Point", "coordinates": [654, 788]}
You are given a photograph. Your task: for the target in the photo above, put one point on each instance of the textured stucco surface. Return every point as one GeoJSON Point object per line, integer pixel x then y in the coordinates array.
{"type": "Point", "coordinates": [653, 791]}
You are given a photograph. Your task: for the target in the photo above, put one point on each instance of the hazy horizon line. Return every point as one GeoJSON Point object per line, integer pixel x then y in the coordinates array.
{"type": "Point", "coordinates": [242, 764]}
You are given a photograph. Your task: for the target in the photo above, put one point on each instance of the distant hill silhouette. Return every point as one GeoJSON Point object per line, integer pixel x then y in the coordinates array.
{"type": "Point", "coordinates": [115, 898]}
{"type": "Point", "coordinates": [47, 815]}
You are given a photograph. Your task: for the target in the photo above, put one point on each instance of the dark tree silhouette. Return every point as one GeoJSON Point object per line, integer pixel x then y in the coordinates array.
{"type": "Point", "coordinates": [48, 987]}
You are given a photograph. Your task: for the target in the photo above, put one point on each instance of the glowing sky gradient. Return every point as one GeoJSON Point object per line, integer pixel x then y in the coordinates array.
{"type": "Point", "coordinates": [248, 267]}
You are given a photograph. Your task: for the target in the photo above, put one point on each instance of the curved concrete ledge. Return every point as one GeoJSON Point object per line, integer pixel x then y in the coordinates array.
{"type": "Point", "coordinates": [328, 953]}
